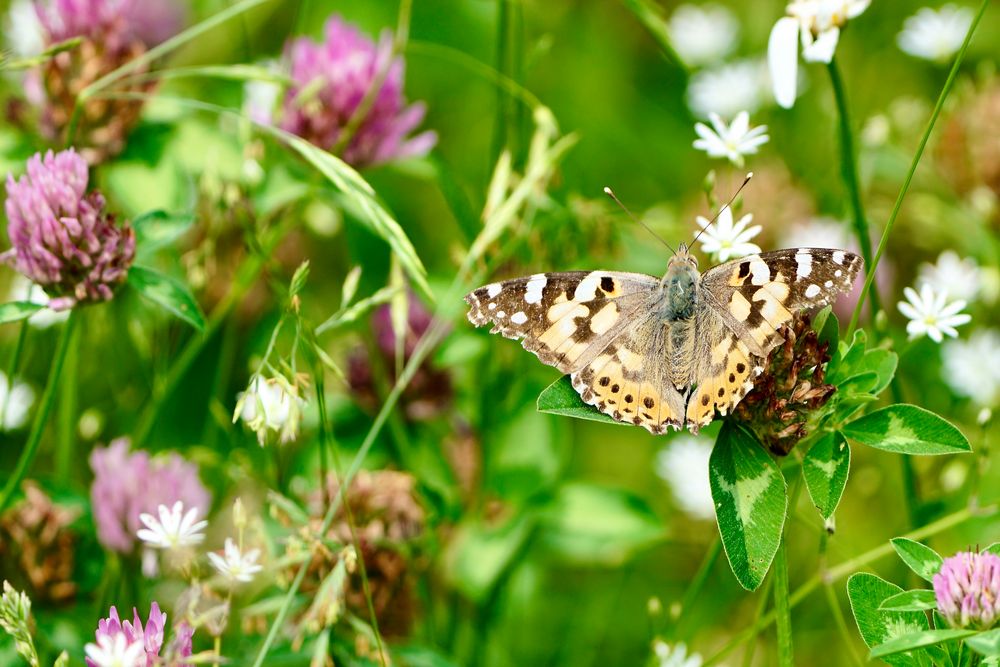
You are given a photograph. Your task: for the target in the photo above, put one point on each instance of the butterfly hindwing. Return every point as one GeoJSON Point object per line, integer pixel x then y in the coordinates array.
{"type": "Point", "coordinates": [566, 319]}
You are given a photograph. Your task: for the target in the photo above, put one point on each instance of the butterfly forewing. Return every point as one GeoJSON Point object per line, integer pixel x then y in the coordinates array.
{"type": "Point", "coordinates": [566, 319]}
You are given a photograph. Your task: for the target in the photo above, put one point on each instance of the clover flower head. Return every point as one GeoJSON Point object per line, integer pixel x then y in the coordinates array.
{"type": "Point", "coordinates": [930, 314]}
{"type": "Point", "coordinates": [236, 565]}
{"type": "Point", "coordinates": [127, 485]}
{"type": "Point", "coordinates": [174, 529]}
{"type": "Point", "coordinates": [935, 34]}
{"type": "Point", "coordinates": [147, 21]}
{"type": "Point", "coordinates": [120, 641]}
{"type": "Point", "coordinates": [683, 464]}
{"type": "Point", "coordinates": [330, 79]}
{"type": "Point", "coordinates": [732, 141]}
{"type": "Point", "coordinates": [728, 89]}
{"type": "Point", "coordinates": [967, 588]}
{"type": "Point", "coordinates": [725, 240]}
{"type": "Point", "coordinates": [271, 405]}
{"type": "Point", "coordinates": [703, 34]}
{"type": "Point", "coordinates": [817, 24]}
{"type": "Point", "coordinates": [959, 277]}
{"type": "Point", "coordinates": [62, 237]}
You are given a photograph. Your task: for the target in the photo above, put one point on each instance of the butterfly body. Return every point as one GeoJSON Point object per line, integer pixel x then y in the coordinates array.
{"type": "Point", "coordinates": [671, 351]}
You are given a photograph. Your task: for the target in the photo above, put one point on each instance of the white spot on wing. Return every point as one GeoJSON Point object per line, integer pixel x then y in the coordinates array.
{"type": "Point", "coordinates": [533, 290]}
{"type": "Point", "coordinates": [492, 306]}
{"type": "Point", "coordinates": [492, 290]}
{"type": "Point", "coordinates": [587, 289]}
{"type": "Point", "coordinates": [838, 273]}
{"type": "Point", "coordinates": [838, 257]}
{"type": "Point", "coordinates": [519, 317]}
{"type": "Point", "coordinates": [812, 291]}
{"type": "Point", "coordinates": [803, 264]}
{"type": "Point", "coordinates": [604, 319]}
{"type": "Point", "coordinates": [501, 314]}
{"type": "Point", "coordinates": [759, 273]}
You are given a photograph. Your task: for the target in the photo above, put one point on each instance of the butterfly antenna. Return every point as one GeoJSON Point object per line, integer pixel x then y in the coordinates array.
{"type": "Point", "coordinates": [611, 193]}
{"type": "Point", "coordinates": [730, 203]}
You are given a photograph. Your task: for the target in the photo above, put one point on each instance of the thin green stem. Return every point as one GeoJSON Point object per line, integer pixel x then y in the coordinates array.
{"type": "Point", "coordinates": [846, 638]}
{"type": "Point", "coordinates": [848, 567]}
{"type": "Point", "coordinates": [782, 610]}
{"type": "Point", "coordinates": [68, 403]}
{"type": "Point", "coordinates": [15, 362]}
{"type": "Point", "coordinates": [764, 594]}
{"type": "Point", "coordinates": [365, 106]}
{"type": "Point", "coordinates": [694, 589]}
{"type": "Point", "coordinates": [948, 84]}
{"type": "Point", "coordinates": [42, 416]}
{"type": "Point", "coordinates": [652, 17]}
{"type": "Point", "coordinates": [849, 172]}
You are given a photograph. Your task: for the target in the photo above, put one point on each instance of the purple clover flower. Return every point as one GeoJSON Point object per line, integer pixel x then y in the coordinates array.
{"type": "Point", "coordinates": [148, 21]}
{"type": "Point", "coordinates": [150, 636]}
{"type": "Point", "coordinates": [331, 78]}
{"type": "Point", "coordinates": [127, 485]}
{"type": "Point", "coordinates": [62, 237]}
{"type": "Point", "coordinates": [967, 588]}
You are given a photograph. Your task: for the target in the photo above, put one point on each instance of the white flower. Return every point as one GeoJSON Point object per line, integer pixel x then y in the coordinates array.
{"type": "Point", "coordinates": [822, 232]}
{"type": "Point", "coordinates": [116, 651]}
{"type": "Point", "coordinates": [935, 35]}
{"type": "Point", "coordinates": [703, 34]}
{"type": "Point", "coordinates": [930, 314]}
{"type": "Point", "coordinates": [725, 240]}
{"type": "Point", "coordinates": [817, 24]}
{"type": "Point", "coordinates": [960, 278]}
{"type": "Point", "coordinates": [15, 401]}
{"type": "Point", "coordinates": [236, 566]}
{"type": "Point", "coordinates": [972, 368]}
{"type": "Point", "coordinates": [174, 529]}
{"type": "Point", "coordinates": [24, 30]}
{"type": "Point", "coordinates": [732, 141]}
{"type": "Point", "coordinates": [683, 465]}
{"type": "Point", "coordinates": [675, 656]}
{"type": "Point", "coordinates": [729, 89]}
{"type": "Point", "coordinates": [270, 405]}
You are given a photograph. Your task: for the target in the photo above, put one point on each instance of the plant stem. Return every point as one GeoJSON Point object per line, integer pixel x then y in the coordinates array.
{"type": "Point", "coordinates": [701, 576]}
{"type": "Point", "coordinates": [849, 172]}
{"type": "Point", "coordinates": [42, 416]}
{"type": "Point", "coordinates": [841, 623]}
{"type": "Point", "coordinates": [66, 444]}
{"type": "Point", "coordinates": [15, 362]}
{"type": "Point", "coordinates": [782, 610]}
{"type": "Point", "coordinates": [847, 567]}
{"type": "Point", "coordinates": [949, 82]}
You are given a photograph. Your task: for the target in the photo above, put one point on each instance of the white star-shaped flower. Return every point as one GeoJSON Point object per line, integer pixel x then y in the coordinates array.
{"type": "Point", "coordinates": [174, 529]}
{"type": "Point", "coordinates": [703, 34]}
{"type": "Point", "coordinates": [733, 141]}
{"type": "Point", "coordinates": [817, 24]}
{"type": "Point", "coordinates": [674, 656]}
{"type": "Point", "coordinates": [271, 405]}
{"type": "Point", "coordinates": [960, 277]}
{"type": "Point", "coordinates": [725, 240]}
{"type": "Point", "coordinates": [728, 89]}
{"type": "Point", "coordinates": [931, 315]}
{"type": "Point", "coordinates": [116, 651]}
{"type": "Point", "coordinates": [935, 35]}
{"type": "Point", "coordinates": [972, 368]}
{"type": "Point", "coordinates": [235, 565]}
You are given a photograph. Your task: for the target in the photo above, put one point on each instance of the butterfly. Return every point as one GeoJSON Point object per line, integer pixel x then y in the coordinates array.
{"type": "Point", "coordinates": [671, 351]}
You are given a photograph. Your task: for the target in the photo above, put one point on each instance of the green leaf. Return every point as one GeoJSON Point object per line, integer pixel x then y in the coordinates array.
{"type": "Point", "coordinates": [479, 554]}
{"type": "Point", "coordinates": [158, 229]}
{"type": "Point", "coordinates": [867, 593]}
{"type": "Point", "coordinates": [920, 599]}
{"type": "Point", "coordinates": [828, 328]}
{"type": "Point", "coordinates": [361, 197]}
{"type": "Point", "coordinates": [559, 398]}
{"type": "Point", "coordinates": [907, 429]}
{"type": "Point", "coordinates": [750, 502]}
{"type": "Point", "coordinates": [167, 292]}
{"type": "Point", "coordinates": [920, 558]}
{"type": "Point", "coordinates": [593, 525]}
{"type": "Point", "coordinates": [856, 359]}
{"type": "Point", "coordinates": [986, 643]}
{"type": "Point", "coordinates": [15, 311]}
{"type": "Point", "coordinates": [825, 469]}
{"type": "Point", "coordinates": [917, 640]}
{"type": "Point", "coordinates": [993, 549]}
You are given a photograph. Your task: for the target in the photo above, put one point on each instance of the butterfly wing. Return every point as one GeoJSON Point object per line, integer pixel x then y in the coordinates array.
{"type": "Point", "coordinates": [565, 319]}
{"type": "Point", "coordinates": [743, 304]}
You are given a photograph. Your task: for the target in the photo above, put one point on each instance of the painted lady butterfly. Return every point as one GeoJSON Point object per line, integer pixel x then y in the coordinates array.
{"type": "Point", "coordinates": [671, 351]}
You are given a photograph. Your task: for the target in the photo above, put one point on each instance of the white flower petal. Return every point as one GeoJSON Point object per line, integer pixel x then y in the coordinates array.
{"type": "Point", "coordinates": [821, 50]}
{"type": "Point", "coordinates": [783, 60]}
